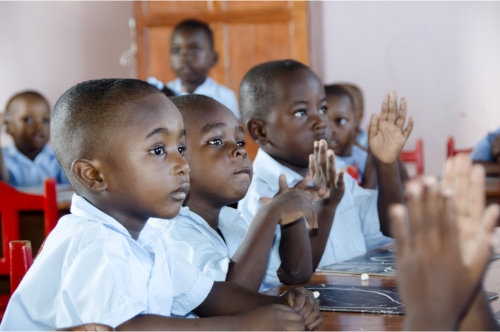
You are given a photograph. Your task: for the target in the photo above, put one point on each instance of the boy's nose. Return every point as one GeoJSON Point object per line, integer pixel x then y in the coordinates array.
{"type": "Point", "coordinates": [240, 152]}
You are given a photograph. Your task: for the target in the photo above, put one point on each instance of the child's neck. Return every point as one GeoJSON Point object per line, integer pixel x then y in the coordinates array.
{"type": "Point", "coordinates": [190, 87]}
{"type": "Point", "coordinates": [208, 212]}
{"type": "Point", "coordinates": [300, 170]}
{"type": "Point", "coordinates": [30, 153]}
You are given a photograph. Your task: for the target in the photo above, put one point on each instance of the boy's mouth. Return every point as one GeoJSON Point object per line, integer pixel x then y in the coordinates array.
{"type": "Point", "coordinates": [180, 193]}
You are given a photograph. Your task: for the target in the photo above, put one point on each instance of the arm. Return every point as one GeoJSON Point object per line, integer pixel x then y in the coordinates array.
{"type": "Point", "coordinates": [248, 265]}
{"type": "Point", "coordinates": [387, 136]}
{"type": "Point", "coordinates": [4, 172]}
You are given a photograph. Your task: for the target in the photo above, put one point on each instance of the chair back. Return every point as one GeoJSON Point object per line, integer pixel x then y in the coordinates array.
{"type": "Point", "coordinates": [452, 151]}
{"type": "Point", "coordinates": [12, 202]}
{"type": "Point", "coordinates": [415, 156]}
{"type": "Point", "coordinates": [21, 258]}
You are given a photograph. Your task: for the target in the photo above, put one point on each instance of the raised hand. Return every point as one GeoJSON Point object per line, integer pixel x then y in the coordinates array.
{"type": "Point", "coordinates": [387, 133]}
{"type": "Point", "coordinates": [443, 246]}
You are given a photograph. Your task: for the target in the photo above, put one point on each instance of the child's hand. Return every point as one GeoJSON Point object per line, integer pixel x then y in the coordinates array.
{"type": "Point", "coordinates": [274, 317]}
{"type": "Point", "coordinates": [303, 301]}
{"type": "Point", "coordinates": [386, 132]}
{"type": "Point", "coordinates": [442, 246]}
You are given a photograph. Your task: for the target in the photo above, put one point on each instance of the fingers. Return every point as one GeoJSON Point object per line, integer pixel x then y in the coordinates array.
{"type": "Point", "coordinates": [283, 185]}
{"type": "Point", "coordinates": [399, 222]}
{"type": "Point", "coordinates": [384, 112]}
{"type": "Point", "coordinates": [393, 107]}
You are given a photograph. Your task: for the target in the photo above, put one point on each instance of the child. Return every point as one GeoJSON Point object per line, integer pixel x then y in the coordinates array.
{"type": "Point", "coordinates": [192, 55]}
{"type": "Point", "coordinates": [344, 126]}
{"type": "Point", "coordinates": [212, 235]}
{"type": "Point", "coordinates": [283, 106]}
{"type": "Point", "coordinates": [29, 160]}
{"type": "Point", "coordinates": [443, 246]}
{"type": "Point", "coordinates": [121, 142]}
{"type": "Point", "coordinates": [361, 138]}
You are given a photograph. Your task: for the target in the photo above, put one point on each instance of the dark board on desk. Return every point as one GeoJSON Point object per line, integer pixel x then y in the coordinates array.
{"type": "Point", "coordinates": [369, 299]}
{"type": "Point", "coordinates": [366, 299]}
{"type": "Point", "coordinates": [376, 263]}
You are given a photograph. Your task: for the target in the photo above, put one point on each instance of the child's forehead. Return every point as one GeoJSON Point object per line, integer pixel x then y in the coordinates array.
{"type": "Point", "coordinates": [190, 33]}
{"type": "Point", "coordinates": [27, 103]}
{"type": "Point", "coordinates": [299, 82]}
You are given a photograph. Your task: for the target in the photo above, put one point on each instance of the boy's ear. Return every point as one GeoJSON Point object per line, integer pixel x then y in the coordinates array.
{"type": "Point", "coordinates": [87, 172]}
{"type": "Point", "coordinates": [257, 130]}
{"type": "Point", "coordinates": [215, 59]}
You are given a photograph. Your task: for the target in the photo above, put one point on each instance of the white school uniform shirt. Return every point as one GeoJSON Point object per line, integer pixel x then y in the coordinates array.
{"type": "Point", "coordinates": [24, 172]}
{"type": "Point", "coordinates": [91, 270]}
{"type": "Point", "coordinates": [355, 228]}
{"type": "Point", "coordinates": [210, 88]}
{"type": "Point", "coordinates": [193, 238]}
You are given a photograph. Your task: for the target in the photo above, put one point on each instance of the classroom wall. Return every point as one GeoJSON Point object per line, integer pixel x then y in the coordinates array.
{"type": "Point", "coordinates": [444, 57]}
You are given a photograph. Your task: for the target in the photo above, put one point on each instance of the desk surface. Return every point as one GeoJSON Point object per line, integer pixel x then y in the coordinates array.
{"type": "Point", "coordinates": [342, 321]}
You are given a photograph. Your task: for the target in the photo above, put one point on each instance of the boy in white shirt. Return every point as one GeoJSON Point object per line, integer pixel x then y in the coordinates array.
{"type": "Point", "coordinates": [284, 108]}
{"type": "Point", "coordinates": [121, 143]}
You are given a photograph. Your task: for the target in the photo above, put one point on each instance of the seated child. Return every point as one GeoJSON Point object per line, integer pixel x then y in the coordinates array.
{"type": "Point", "coordinates": [214, 236]}
{"type": "Point", "coordinates": [29, 160]}
{"type": "Point", "coordinates": [192, 55]}
{"type": "Point", "coordinates": [344, 126]}
{"type": "Point", "coordinates": [443, 246]}
{"type": "Point", "coordinates": [283, 106]}
{"type": "Point", "coordinates": [356, 93]}
{"type": "Point", "coordinates": [121, 143]}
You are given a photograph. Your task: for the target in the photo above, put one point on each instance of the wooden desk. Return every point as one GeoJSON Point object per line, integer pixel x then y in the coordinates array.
{"type": "Point", "coordinates": [345, 321]}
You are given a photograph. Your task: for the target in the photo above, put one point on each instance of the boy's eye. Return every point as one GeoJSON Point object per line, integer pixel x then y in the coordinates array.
{"type": "Point", "coordinates": [175, 50]}
{"type": "Point", "coordinates": [341, 122]}
{"type": "Point", "coordinates": [158, 151]}
{"type": "Point", "coordinates": [215, 141]}
{"type": "Point", "coordinates": [181, 149]}
{"type": "Point", "coordinates": [241, 143]}
{"type": "Point", "coordinates": [46, 121]}
{"type": "Point", "coordinates": [194, 50]}
{"type": "Point", "coordinates": [323, 109]}
{"type": "Point", "coordinates": [28, 120]}
{"type": "Point", "coordinates": [300, 113]}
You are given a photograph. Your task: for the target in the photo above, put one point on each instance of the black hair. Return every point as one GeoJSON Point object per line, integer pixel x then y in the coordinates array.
{"type": "Point", "coordinates": [86, 114]}
{"type": "Point", "coordinates": [339, 90]}
{"type": "Point", "coordinates": [258, 90]}
{"type": "Point", "coordinates": [193, 24]}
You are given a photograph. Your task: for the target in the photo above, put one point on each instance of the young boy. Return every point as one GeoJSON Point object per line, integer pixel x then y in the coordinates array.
{"type": "Point", "coordinates": [443, 246]}
{"type": "Point", "coordinates": [29, 160]}
{"type": "Point", "coordinates": [344, 127]}
{"type": "Point", "coordinates": [283, 106]}
{"type": "Point", "coordinates": [121, 142]}
{"type": "Point", "coordinates": [212, 235]}
{"type": "Point", "coordinates": [192, 55]}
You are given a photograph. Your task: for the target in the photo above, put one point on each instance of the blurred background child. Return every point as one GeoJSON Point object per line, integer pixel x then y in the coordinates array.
{"type": "Point", "coordinates": [192, 55]}
{"type": "Point", "coordinates": [29, 160]}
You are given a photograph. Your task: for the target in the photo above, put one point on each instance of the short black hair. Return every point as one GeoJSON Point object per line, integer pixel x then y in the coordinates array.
{"type": "Point", "coordinates": [193, 24]}
{"type": "Point", "coordinates": [86, 114]}
{"type": "Point", "coordinates": [340, 90]}
{"type": "Point", "coordinates": [258, 90]}
{"type": "Point", "coordinates": [24, 94]}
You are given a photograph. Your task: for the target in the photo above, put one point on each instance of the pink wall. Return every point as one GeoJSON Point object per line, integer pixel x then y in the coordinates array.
{"type": "Point", "coordinates": [444, 57]}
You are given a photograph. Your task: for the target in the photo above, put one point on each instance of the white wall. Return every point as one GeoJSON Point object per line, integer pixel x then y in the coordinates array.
{"type": "Point", "coordinates": [50, 46]}
{"type": "Point", "coordinates": [444, 57]}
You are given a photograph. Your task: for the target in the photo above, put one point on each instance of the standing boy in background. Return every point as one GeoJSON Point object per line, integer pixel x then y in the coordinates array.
{"type": "Point", "coordinates": [284, 108]}
{"type": "Point", "coordinates": [192, 55]}
{"type": "Point", "coordinates": [121, 142]}
{"type": "Point", "coordinates": [215, 237]}
{"type": "Point", "coordinates": [29, 160]}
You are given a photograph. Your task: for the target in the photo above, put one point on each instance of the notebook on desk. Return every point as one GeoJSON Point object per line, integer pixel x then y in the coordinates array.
{"type": "Point", "coordinates": [375, 263]}
{"type": "Point", "coordinates": [366, 299]}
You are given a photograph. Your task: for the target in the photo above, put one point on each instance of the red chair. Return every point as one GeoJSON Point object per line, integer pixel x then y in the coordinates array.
{"type": "Point", "coordinates": [452, 151]}
{"type": "Point", "coordinates": [415, 156]}
{"type": "Point", "coordinates": [12, 202]}
{"type": "Point", "coordinates": [21, 258]}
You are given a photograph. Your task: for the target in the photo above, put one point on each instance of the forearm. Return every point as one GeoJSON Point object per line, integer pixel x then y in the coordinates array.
{"type": "Point", "coordinates": [228, 298]}
{"type": "Point", "coordinates": [163, 323]}
{"type": "Point", "coordinates": [479, 316]}
{"type": "Point", "coordinates": [390, 191]}
{"type": "Point", "coordinates": [295, 254]}
{"type": "Point", "coordinates": [248, 265]}
{"type": "Point", "coordinates": [4, 172]}
{"type": "Point", "coordinates": [326, 214]}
